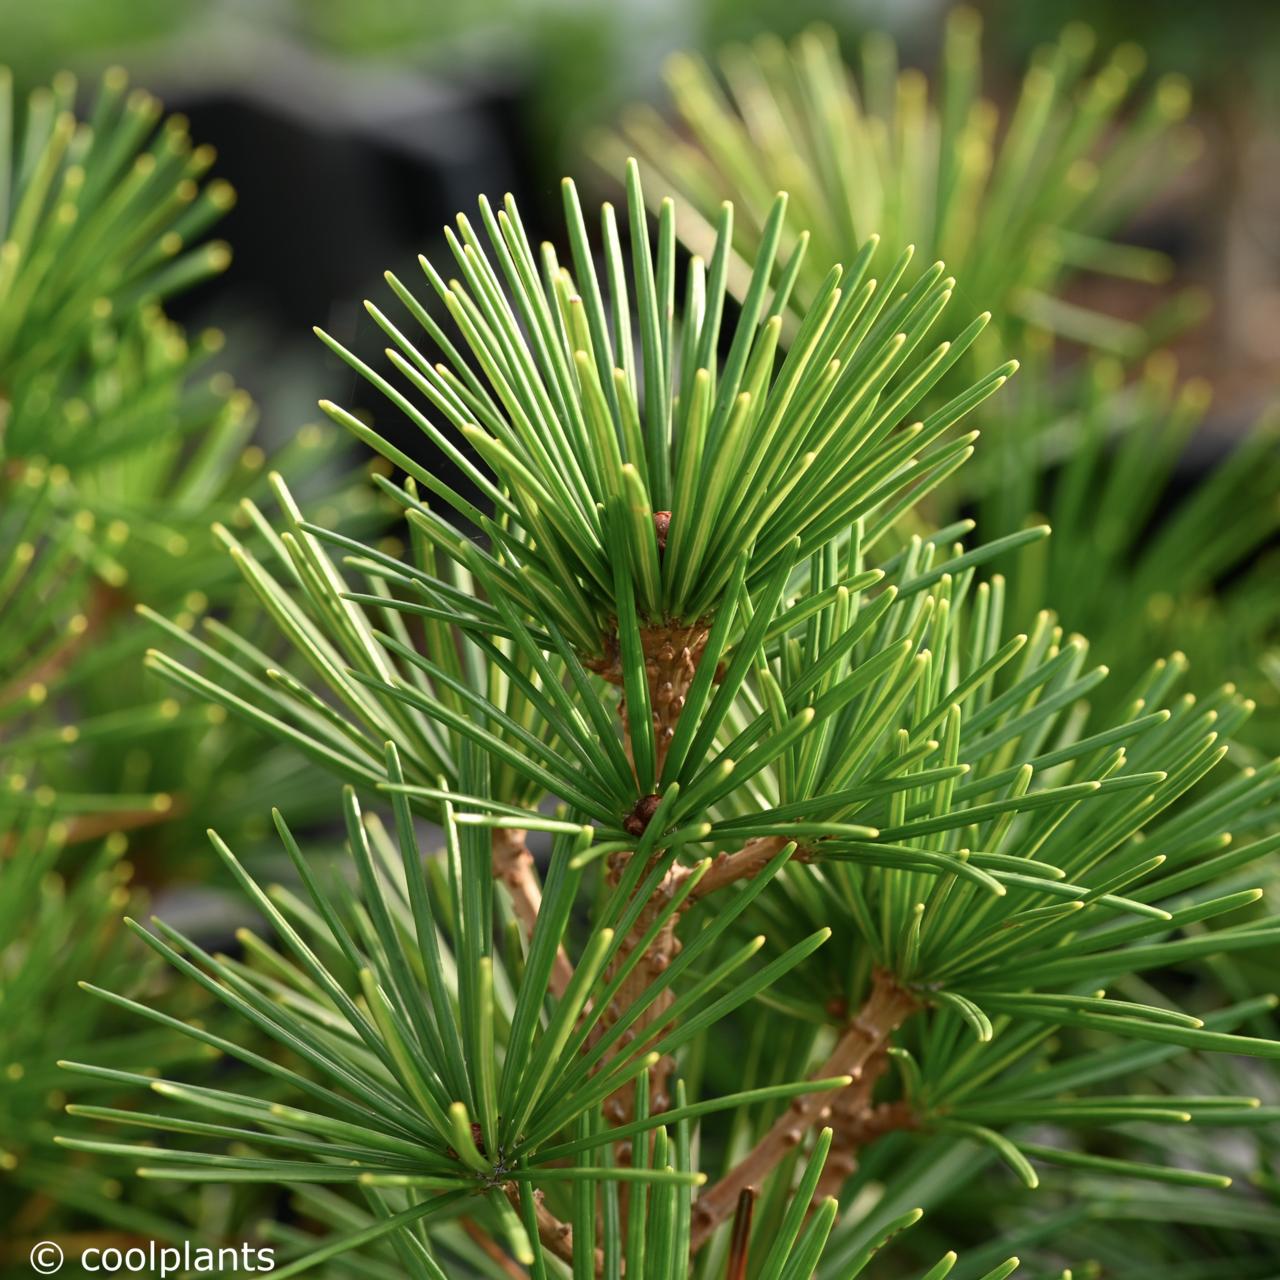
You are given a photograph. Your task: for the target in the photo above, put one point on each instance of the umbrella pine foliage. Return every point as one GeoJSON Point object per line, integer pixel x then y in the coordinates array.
{"type": "Point", "coordinates": [793, 757]}
{"type": "Point", "coordinates": [1023, 210]}
{"type": "Point", "coordinates": [118, 447]}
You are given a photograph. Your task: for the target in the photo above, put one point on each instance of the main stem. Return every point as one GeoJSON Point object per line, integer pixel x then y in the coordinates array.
{"type": "Point", "coordinates": [671, 656]}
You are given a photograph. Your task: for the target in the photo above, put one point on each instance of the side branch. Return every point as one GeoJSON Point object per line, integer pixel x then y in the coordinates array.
{"type": "Point", "coordinates": [556, 1236]}
{"type": "Point", "coordinates": [743, 864]}
{"type": "Point", "coordinates": [854, 1124]}
{"type": "Point", "coordinates": [858, 1053]}
{"type": "Point", "coordinates": [513, 865]}
{"type": "Point", "coordinates": [491, 1250]}
{"type": "Point", "coordinates": [105, 602]}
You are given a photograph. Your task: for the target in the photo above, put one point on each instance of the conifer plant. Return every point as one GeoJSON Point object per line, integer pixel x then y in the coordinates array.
{"type": "Point", "coordinates": [708, 824]}
{"type": "Point", "coordinates": [1023, 210]}
{"type": "Point", "coordinates": [118, 449]}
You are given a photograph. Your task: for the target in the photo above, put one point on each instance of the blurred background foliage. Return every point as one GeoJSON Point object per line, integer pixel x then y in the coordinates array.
{"type": "Point", "coordinates": [352, 131]}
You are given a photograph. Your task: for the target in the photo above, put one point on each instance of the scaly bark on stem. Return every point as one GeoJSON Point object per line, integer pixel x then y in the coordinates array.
{"type": "Point", "coordinates": [854, 1124]}
{"type": "Point", "coordinates": [855, 1054]}
{"type": "Point", "coordinates": [727, 869]}
{"type": "Point", "coordinates": [513, 865]}
{"type": "Point", "coordinates": [743, 864]}
{"type": "Point", "coordinates": [619, 1107]}
{"type": "Point", "coordinates": [556, 1236]}
{"type": "Point", "coordinates": [671, 655]}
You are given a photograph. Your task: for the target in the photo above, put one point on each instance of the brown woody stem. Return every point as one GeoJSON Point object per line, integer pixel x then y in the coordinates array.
{"type": "Point", "coordinates": [860, 1053]}
{"type": "Point", "coordinates": [513, 865]}
{"type": "Point", "coordinates": [728, 868]}
{"type": "Point", "coordinates": [619, 1108]}
{"type": "Point", "coordinates": [740, 1243]}
{"type": "Point", "coordinates": [556, 1236]}
{"type": "Point", "coordinates": [854, 1124]}
{"type": "Point", "coordinates": [743, 864]}
{"type": "Point", "coordinates": [103, 604]}
{"type": "Point", "coordinates": [671, 655]}
{"type": "Point", "coordinates": [491, 1250]}
{"type": "Point", "coordinates": [93, 826]}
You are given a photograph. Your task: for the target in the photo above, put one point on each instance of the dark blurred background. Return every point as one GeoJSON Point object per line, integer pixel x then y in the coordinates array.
{"type": "Point", "coordinates": [353, 129]}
